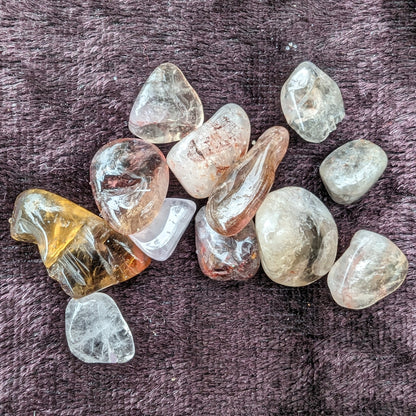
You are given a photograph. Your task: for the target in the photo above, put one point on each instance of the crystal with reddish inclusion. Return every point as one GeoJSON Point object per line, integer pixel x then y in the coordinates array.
{"type": "Point", "coordinates": [370, 269]}
{"type": "Point", "coordinates": [298, 237]}
{"type": "Point", "coordinates": [312, 103]}
{"type": "Point", "coordinates": [244, 187]}
{"type": "Point", "coordinates": [201, 158]}
{"type": "Point", "coordinates": [352, 169]}
{"type": "Point", "coordinates": [78, 248]}
{"type": "Point", "coordinates": [160, 238]}
{"type": "Point", "coordinates": [226, 258]}
{"type": "Point", "coordinates": [96, 331]}
{"type": "Point", "coordinates": [167, 107]}
{"type": "Point", "coordinates": [129, 180]}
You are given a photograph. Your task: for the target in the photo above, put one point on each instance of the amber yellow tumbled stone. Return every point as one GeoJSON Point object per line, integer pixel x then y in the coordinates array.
{"type": "Point", "coordinates": [78, 248]}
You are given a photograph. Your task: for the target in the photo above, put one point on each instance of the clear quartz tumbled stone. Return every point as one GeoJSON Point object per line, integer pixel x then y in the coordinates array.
{"type": "Point", "coordinates": [96, 331]}
{"type": "Point", "coordinates": [167, 107]}
{"type": "Point", "coordinates": [371, 268]}
{"type": "Point", "coordinates": [352, 169]}
{"type": "Point", "coordinates": [311, 102]}
{"type": "Point", "coordinates": [160, 238]}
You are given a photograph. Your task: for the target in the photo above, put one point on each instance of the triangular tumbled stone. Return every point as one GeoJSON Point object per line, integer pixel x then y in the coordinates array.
{"type": "Point", "coordinates": [167, 107]}
{"type": "Point", "coordinates": [96, 331]}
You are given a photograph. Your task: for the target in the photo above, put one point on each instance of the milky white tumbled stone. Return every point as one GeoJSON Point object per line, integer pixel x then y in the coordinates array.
{"type": "Point", "coordinates": [352, 169]}
{"type": "Point", "coordinates": [371, 268]}
{"type": "Point", "coordinates": [161, 237]}
{"type": "Point", "coordinates": [201, 158]}
{"type": "Point", "coordinates": [167, 107]}
{"type": "Point", "coordinates": [311, 102]}
{"type": "Point", "coordinates": [297, 235]}
{"type": "Point", "coordinates": [96, 331]}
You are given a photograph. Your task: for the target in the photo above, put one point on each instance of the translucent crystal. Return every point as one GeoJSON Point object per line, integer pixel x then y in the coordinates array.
{"type": "Point", "coordinates": [160, 238]}
{"type": "Point", "coordinates": [297, 235]}
{"type": "Point", "coordinates": [201, 158]}
{"type": "Point", "coordinates": [129, 180]}
{"type": "Point", "coordinates": [312, 103]}
{"type": "Point", "coordinates": [78, 248]}
{"type": "Point", "coordinates": [226, 258]}
{"type": "Point", "coordinates": [96, 331]}
{"type": "Point", "coordinates": [244, 187]}
{"type": "Point", "coordinates": [351, 170]}
{"type": "Point", "coordinates": [370, 269]}
{"type": "Point", "coordinates": [167, 107]}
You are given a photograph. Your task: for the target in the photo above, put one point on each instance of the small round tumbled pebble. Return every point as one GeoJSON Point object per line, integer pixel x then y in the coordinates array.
{"type": "Point", "coordinates": [129, 180]}
{"type": "Point", "coordinates": [371, 268]}
{"type": "Point", "coordinates": [351, 170]}
{"type": "Point", "coordinates": [297, 235]}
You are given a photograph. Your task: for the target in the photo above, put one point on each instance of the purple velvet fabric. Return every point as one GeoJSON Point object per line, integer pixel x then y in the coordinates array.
{"type": "Point", "coordinates": [69, 74]}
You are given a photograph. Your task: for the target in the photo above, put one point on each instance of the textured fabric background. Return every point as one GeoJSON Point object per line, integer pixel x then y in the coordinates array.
{"type": "Point", "coordinates": [70, 71]}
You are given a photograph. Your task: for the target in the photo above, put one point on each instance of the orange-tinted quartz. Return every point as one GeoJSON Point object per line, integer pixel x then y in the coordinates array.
{"type": "Point", "coordinates": [245, 185]}
{"type": "Point", "coordinates": [78, 248]}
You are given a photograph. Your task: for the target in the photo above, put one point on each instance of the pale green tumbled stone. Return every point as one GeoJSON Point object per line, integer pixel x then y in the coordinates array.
{"type": "Point", "coordinates": [351, 170]}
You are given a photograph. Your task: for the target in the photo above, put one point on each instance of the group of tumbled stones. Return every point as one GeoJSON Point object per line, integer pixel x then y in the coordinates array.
{"type": "Point", "coordinates": [294, 236]}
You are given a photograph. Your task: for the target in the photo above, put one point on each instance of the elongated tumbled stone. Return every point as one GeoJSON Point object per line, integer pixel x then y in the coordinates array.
{"type": "Point", "coordinates": [159, 239]}
{"type": "Point", "coordinates": [351, 170]}
{"type": "Point", "coordinates": [226, 258]}
{"type": "Point", "coordinates": [201, 158]}
{"type": "Point", "coordinates": [237, 198]}
{"type": "Point", "coordinates": [96, 331]}
{"type": "Point", "coordinates": [370, 269]}
{"type": "Point", "coordinates": [79, 249]}
{"type": "Point", "coordinates": [167, 107]}
{"type": "Point", "coordinates": [129, 180]}
{"type": "Point", "coordinates": [311, 102]}
{"type": "Point", "coordinates": [297, 235]}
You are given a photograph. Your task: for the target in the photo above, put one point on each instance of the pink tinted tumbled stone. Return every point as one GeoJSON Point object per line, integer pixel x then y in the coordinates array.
{"type": "Point", "coordinates": [129, 180]}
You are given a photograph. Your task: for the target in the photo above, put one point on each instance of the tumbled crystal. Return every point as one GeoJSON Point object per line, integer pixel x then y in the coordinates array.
{"type": "Point", "coordinates": [96, 331]}
{"type": "Point", "coordinates": [159, 239]}
{"type": "Point", "coordinates": [226, 258]}
{"type": "Point", "coordinates": [311, 102]}
{"type": "Point", "coordinates": [167, 107]}
{"type": "Point", "coordinates": [201, 158]}
{"type": "Point", "coordinates": [371, 268]}
{"type": "Point", "coordinates": [78, 248]}
{"type": "Point", "coordinates": [351, 170]}
{"type": "Point", "coordinates": [244, 187]}
{"type": "Point", "coordinates": [297, 235]}
{"type": "Point", "coordinates": [129, 180]}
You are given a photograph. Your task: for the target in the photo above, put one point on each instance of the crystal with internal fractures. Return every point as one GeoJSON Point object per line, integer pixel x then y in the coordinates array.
{"type": "Point", "coordinates": [370, 269]}
{"type": "Point", "coordinates": [167, 107]}
{"type": "Point", "coordinates": [160, 238]}
{"type": "Point", "coordinates": [352, 169]}
{"type": "Point", "coordinates": [96, 331]}
{"type": "Point", "coordinates": [78, 248]}
{"type": "Point", "coordinates": [202, 157]}
{"type": "Point", "coordinates": [129, 180]}
{"type": "Point", "coordinates": [297, 235]}
{"type": "Point", "coordinates": [226, 258]}
{"type": "Point", "coordinates": [311, 102]}
{"type": "Point", "coordinates": [244, 187]}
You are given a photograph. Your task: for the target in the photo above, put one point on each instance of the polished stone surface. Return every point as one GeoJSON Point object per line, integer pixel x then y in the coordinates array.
{"type": "Point", "coordinates": [129, 180]}
{"type": "Point", "coordinates": [167, 107]}
{"type": "Point", "coordinates": [78, 248]}
{"type": "Point", "coordinates": [226, 258]}
{"type": "Point", "coordinates": [159, 239]}
{"type": "Point", "coordinates": [203, 156]}
{"type": "Point", "coordinates": [96, 331]}
{"type": "Point", "coordinates": [237, 198]}
{"type": "Point", "coordinates": [352, 169]}
{"type": "Point", "coordinates": [297, 235]}
{"type": "Point", "coordinates": [311, 102]}
{"type": "Point", "coordinates": [371, 268]}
